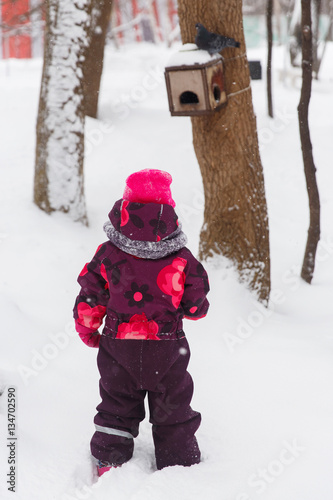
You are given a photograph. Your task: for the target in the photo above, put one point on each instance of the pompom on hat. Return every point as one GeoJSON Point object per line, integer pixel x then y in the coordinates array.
{"type": "Point", "coordinates": [149, 186]}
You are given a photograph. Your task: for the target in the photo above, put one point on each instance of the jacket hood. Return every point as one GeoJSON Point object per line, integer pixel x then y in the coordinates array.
{"type": "Point", "coordinates": [145, 230]}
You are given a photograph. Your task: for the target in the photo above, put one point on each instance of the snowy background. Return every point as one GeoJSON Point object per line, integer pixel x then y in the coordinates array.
{"type": "Point", "coordinates": [263, 377]}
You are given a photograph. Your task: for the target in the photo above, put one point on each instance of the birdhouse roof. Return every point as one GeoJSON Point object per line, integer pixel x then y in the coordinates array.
{"type": "Point", "coordinates": [189, 55]}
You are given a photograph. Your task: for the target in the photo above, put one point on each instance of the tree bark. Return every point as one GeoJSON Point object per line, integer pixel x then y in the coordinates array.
{"type": "Point", "coordinates": [309, 166]}
{"type": "Point", "coordinates": [58, 184]}
{"type": "Point", "coordinates": [94, 56]}
{"type": "Point", "coordinates": [326, 39]}
{"type": "Point", "coordinates": [316, 9]}
{"type": "Point", "coordinates": [295, 35]}
{"type": "Point", "coordinates": [269, 15]}
{"type": "Point", "coordinates": [226, 146]}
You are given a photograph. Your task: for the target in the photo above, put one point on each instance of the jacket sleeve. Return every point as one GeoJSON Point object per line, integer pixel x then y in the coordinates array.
{"type": "Point", "coordinates": [90, 305]}
{"type": "Point", "coordinates": [196, 287]}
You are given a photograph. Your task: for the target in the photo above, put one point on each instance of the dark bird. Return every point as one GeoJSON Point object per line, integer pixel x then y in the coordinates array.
{"type": "Point", "coordinates": [212, 42]}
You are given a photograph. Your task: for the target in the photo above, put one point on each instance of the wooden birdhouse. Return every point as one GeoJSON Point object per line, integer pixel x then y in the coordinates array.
{"type": "Point", "coordinates": [195, 82]}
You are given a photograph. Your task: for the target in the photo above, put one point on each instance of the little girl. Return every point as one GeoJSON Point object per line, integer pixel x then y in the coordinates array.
{"type": "Point", "coordinates": [143, 281]}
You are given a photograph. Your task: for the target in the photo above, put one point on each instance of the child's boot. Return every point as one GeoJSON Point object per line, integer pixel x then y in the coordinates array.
{"type": "Point", "coordinates": [103, 467]}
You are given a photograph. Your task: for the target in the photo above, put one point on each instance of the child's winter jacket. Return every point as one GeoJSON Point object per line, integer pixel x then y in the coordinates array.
{"type": "Point", "coordinates": [143, 280]}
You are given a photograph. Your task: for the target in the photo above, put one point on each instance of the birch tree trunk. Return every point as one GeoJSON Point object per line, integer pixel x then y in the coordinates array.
{"type": "Point", "coordinates": [226, 146]}
{"type": "Point", "coordinates": [58, 184]}
{"type": "Point", "coordinates": [309, 166]}
{"type": "Point", "coordinates": [94, 57]}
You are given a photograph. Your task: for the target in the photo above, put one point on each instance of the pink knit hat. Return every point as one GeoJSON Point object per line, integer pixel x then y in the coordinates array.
{"type": "Point", "coordinates": [149, 186]}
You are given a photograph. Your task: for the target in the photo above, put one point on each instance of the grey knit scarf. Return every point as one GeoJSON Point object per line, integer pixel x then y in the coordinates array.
{"type": "Point", "coordinates": [146, 249]}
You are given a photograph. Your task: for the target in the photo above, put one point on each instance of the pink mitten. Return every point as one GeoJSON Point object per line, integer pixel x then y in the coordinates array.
{"type": "Point", "coordinates": [89, 336]}
{"type": "Point", "coordinates": [90, 339]}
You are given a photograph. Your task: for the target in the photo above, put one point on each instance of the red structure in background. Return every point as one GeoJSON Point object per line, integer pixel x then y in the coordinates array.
{"type": "Point", "coordinates": [118, 20]}
{"type": "Point", "coordinates": [156, 15]}
{"type": "Point", "coordinates": [15, 43]}
{"type": "Point", "coordinates": [19, 24]}
{"type": "Point", "coordinates": [172, 12]}
{"type": "Point", "coordinates": [136, 11]}
{"type": "Point", "coordinates": [148, 21]}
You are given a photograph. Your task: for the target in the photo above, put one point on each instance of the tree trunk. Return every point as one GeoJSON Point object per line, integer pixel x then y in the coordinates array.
{"type": "Point", "coordinates": [277, 14]}
{"type": "Point", "coordinates": [326, 39]}
{"type": "Point", "coordinates": [60, 124]}
{"type": "Point", "coordinates": [316, 9]}
{"type": "Point", "coordinates": [94, 56]}
{"type": "Point", "coordinates": [269, 15]}
{"type": "Point", "coordinates": [226, 146]}
{"type": "Point", "coordinates": [295, 41]}
{"type": "Point", "coordinates": [309, 166]}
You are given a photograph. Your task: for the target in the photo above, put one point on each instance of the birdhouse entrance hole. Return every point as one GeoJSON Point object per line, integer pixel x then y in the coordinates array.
{"type": "Point", "coordinates": [189, 97]}
{"type": "Point", "coordinates": [217, 93]}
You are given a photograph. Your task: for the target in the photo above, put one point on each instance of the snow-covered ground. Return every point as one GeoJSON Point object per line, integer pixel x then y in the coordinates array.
{"type": "Point", "coordinates": [263, 378]}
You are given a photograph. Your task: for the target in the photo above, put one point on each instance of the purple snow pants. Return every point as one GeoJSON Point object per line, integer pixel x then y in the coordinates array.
{"type": "Point", "coordinates": [129, 369]}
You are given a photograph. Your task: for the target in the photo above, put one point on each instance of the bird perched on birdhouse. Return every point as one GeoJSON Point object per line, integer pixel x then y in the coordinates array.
{"type": "Point", "coordinates": [212, 42]}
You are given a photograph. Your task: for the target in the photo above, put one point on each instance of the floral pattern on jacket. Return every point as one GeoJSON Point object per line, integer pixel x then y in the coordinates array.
{"type": "Point", "coordinates": [140, 298]}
